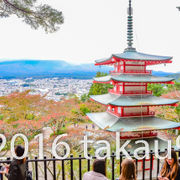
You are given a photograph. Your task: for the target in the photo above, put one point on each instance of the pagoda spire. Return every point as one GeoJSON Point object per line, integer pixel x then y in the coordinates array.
{"type": "Point", "coordinates": [130, 28]}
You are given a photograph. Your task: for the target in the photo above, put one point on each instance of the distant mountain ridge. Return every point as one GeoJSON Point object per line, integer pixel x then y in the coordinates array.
{"type": "Point", "coordinates": [161, 73]}
{"type": "Point", "coordinates": [42, 66]}
{"type": "Point", "coordinates": [47, 68]}
{"type": "Point", "coordinates": [55, 68]}
{"type": "Point", "coordinates": [175, 76]}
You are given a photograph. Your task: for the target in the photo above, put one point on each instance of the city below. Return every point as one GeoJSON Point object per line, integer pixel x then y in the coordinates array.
{"type": "Point", "coordinates": [52, 88]}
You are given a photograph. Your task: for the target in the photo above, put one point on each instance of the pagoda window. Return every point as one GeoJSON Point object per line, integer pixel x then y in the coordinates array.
{"type": "Point", "coordinates": [120, 88]}
{"type": "Point", "coordinates": [112, 109]}
{"type": "Point", "coordinates": [121, 69]}
{"type": "Point", "coordinates": [119, 110]}
{"type": "Point", "coordinates": [116, 68]}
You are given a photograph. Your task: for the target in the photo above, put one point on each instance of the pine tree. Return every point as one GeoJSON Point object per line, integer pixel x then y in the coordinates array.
{"type": "Point", "coordinates": [36, 16]}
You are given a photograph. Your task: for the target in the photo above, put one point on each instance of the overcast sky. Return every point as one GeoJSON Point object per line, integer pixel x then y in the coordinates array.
{"type": "Point", "coordinates": [95, 29]}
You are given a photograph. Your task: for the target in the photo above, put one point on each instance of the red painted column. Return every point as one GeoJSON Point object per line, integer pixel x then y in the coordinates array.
{"type": "Point", "coordinates": [118, 89]}
{"type": "Point", "coordinates": [118, 67]}
{"type": "Point", "coordinates": [122, 111]}
{"type": "Point", "coordinates": [123, 88]}
{"type": "Point", "coordinates": [148, 110]}
{"type": "Point", "coordinates": [124, 70]}
{"type": "Point", "coordinates": [144, 68]}
{"type": "Point", "coordinates": [146, 87]}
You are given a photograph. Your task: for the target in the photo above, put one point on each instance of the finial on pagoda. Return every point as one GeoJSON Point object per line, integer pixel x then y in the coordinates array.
{"type": "Point", "coordinates": [130, 29]}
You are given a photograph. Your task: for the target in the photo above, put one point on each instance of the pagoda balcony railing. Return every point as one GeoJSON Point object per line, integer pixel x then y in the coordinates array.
{"type": "Point", "coordinates": [131, 71]}
{"type": "Point", "coordinates": [137, 92]}
{"type": "Point", "coordinates": [129, 92]}
{"type": "Point", "coordinates": [137, 71]}
{"type": "Point", "coordinates": [151, 113]}
{"type": "Point", "coordinates": [138, 135]}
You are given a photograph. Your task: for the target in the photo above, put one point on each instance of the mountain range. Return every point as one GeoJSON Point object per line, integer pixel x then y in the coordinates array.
{"type": "Point", "coordinates": [47, 68]}
{"type": "Point", "coordinates": [55, 68]}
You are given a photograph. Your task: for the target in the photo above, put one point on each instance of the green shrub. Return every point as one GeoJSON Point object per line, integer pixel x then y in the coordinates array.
{"type": "Point", "coordinates": [60, 131]}
{"type": "Point", "coordinates": [84, 109]}
{"type": "Point", "coordinates": [29, 116]}
{"type": "Point", "coordinates": [1, 116]}
{"type": "Point", "coordinates": [11, 119]}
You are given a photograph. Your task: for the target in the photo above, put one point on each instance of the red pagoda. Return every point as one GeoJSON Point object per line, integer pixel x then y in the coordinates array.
{"type": "Point", "coordinates": [129, 102]}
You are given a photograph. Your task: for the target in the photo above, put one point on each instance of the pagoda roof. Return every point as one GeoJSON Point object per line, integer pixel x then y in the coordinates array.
{"type": "Point", "coordinates": [132, 55]}
{"type": "Point", "coordinates": [133, 78]}
{"type": "Point", "coordinates": [133, 100]}
{"type": "Point", "coordinates": [103, 60]}
{"type": "Point", "coordinates": [110, 122]}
